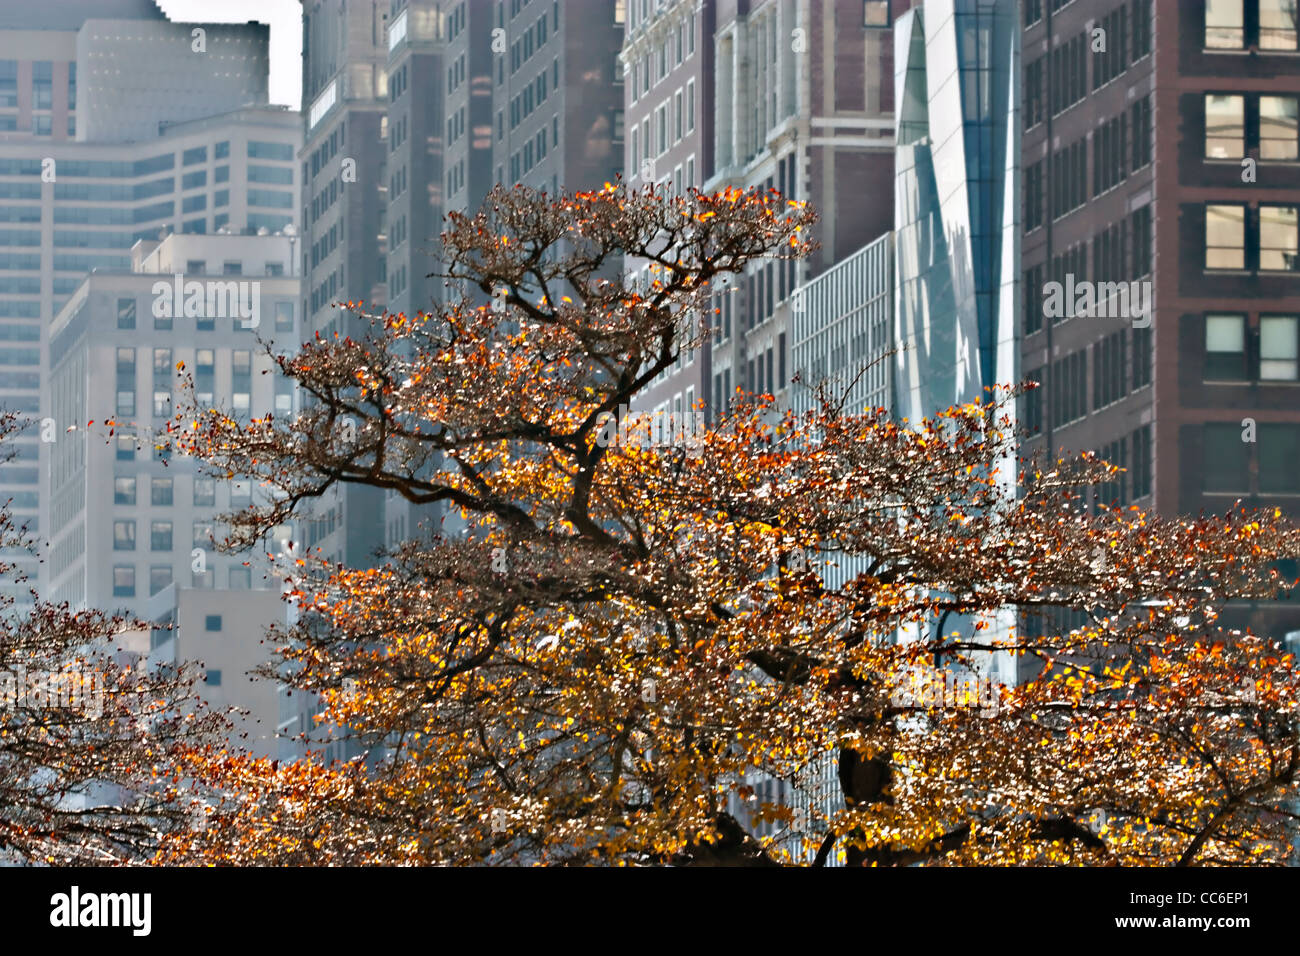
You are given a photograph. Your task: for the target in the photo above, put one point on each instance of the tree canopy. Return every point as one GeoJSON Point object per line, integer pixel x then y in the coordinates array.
{"type": "Point", "coordinates": [600, 643]}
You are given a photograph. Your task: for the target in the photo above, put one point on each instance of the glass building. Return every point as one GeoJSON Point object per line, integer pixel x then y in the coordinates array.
{"type": "Point", "coordinates": [955, 208]}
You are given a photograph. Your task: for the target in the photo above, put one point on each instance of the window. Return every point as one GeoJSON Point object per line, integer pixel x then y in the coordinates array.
{"type": "Point", "coordinates": [284, 316]}
{"type": "Point", "coordinates": [875, 13]}
{"type": "Point", "coordinates": [1225, 25]}
{"type": "Point", "coordinates": [123, 581]}
{"type": "Point", "coordinates": [1225, 348]}
{"type": "Point", "coordinates": [123, 535]}
{"type": "Point", "coordinates": [126, 313]}
{"type": "Point", "coordinates": [1225, 126]}
{"type": "Point", "coordinates": [123, 491]}
{"type": "Point", "coordinates": [1225, 237]}
{"type": "Point", "coordinates": [125, 448]}
{"type": "Point", "coordinates": [161, 491]}
{"type": "Point", "coordinates": [1279, 237]}
{"type": "Point", "coordinates": [1278, 128]}
{"type": "Point", "coordinates": [1224, 467]}
{"type": "Point", "coordinates": [160, 536]}
{"type": "Point", "coordinates": [1279, 338]}
{"type": "Point", "coordinates": [1277, 24]}
{"type": "Point", "coordinates": [212, 677]}
{"type": "Point", "coordinates": [1141, 462]}
{"type": "Point", "coordinates": [1278, 448]}
{"type": "Point", "coordinates": [690, 106]}
{"type": "Point", "coordinates": [241, 579]}
{"type": "Point", "coordinates": [203, 535]}
{"type": "Point", "coordinates": [160, 576]}
{"type": "Point", "coordinates": [212, 623]}
{"type": "Point", "coordinates": [241, 493]}
{"type": "Point", "coordinates": [205, 492]}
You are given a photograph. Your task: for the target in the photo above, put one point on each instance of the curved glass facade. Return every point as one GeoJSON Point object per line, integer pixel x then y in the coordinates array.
{"type": "Point", "coordinates": [956, 178]}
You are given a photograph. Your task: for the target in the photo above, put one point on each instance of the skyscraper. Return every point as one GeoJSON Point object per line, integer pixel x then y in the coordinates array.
{"type": "Point", "coordinates": [1161, 251]}
{"type": "Point", "coordinates": [71, 207]}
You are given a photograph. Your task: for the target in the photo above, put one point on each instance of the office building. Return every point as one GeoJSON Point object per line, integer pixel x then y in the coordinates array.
{"type": "Point", "coordinates": [668, 79]}
{"type": "Point", "coordinates": [73, 208]}
{"type": "Point", "coordinates": [808, 110]}
{"type": "Point", "coordinates": [127, 519]}
{"type": "Point", "coordinates": [1172, 209]}
{"type": "Point", "coordinates": [227, 639]}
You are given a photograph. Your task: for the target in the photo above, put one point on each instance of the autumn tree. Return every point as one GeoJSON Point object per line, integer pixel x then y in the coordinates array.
{"type": "Point", "coordinates": [606, 640]}
{"type": "Point", "coordinates": [89, 734]}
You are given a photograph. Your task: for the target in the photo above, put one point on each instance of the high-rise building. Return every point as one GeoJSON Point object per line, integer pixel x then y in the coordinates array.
{"type": "Point", "coordinates": [557, 93]}
{"type": "Point", "coordinates": [956, 177]}
{"type": "Point", "coordinates": [38, 61]}
{"type": "Point", "coordinates": [803, 103]}
{"type": "Point", "coordinates": [346, 190]}
{"type": "Point", "coordinates": [668, 81]}
{"type": "Point", "coordinates": [127, 519]}
{"type": "Point", "coordinates": [71, 208]}
{"type": "Point", "coordinates": [1161, 252]}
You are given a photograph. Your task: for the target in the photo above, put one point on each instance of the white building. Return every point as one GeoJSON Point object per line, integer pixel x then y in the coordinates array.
{"type": "Point", "coordinates": [124, 523]}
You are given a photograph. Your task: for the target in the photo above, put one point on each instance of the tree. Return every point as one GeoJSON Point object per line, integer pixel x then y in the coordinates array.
{"type": "Point", "coordinates": [623, 634]}
{"type": "Point", "coordinates": [89, 735]}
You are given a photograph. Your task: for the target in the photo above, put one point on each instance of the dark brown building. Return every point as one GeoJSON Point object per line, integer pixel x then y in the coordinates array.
{"type": "Point", "coordinates": [1162, 192]}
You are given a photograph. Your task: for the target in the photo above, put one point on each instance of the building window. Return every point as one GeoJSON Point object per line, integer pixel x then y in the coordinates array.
{"type": "Point", "coordinates": [212, 677]}
{"type": "Point", "coordinates": [123, 535]}
{"type": "Point", "coordinates": [1279, 238]}
{"type": "Point", "coordinates": [1225, 126]}
{"type": "Point", "coordinates": [203, 536]}
{"type": "Point", "coordinates": [123, 581]}
{"type": "Point", "coordinates": [875, 14]}
{"type": "Point", "coordinates": [241, 579]}
{"type": "Point", "coordinates": [160, 536]}
{"type": "Point", "coordinates": [1141, 462]}
{"type": "Point", "coordinates": [1225, 24]}
{"type": "Point", "coordinates": [1225, 348]}
{"type": "Point", "coordinates": [160, 576]}
{"type": "Point", "coordinates": [1279, 348]}
{"type": "Point", "coordinates": [284, 316]}
{"type": "Point", "coordinates": [212, 623]}
{"type": "Point", "coordinates": [126, 313]}
{"type": "Point", "coordinates": [1225, 237]}
{"type": "Point", "coordinates": [160, 491]}
{"type": "Point", "coordinates": [1224, 467]}
{"type": "Point", "coordinates": [1277, 24]}
{"type": "Point", "coordinates": [1279, 131]}
{"type": "Point", "coordinates": [125, 448]}
{"type": "Point", "coordinates": [205, 492]}
{"type": "Point", "coordinates": [1278, 449]}
{"type": "Point", "coordinates": [123, 491]}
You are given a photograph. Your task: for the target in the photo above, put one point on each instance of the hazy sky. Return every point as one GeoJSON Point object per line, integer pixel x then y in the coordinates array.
{"type": "Point", "coordinates": [285, 18]}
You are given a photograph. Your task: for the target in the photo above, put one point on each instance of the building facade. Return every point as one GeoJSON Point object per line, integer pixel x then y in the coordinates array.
{"type": "Point", "coordinates": [127, 519]}
{"type": "Point", "coordinates": [808, 110]}
{"type": "Point", "coordinates": [1170, 210]}
{"type": "Point", "coordinates": [72, 208]}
